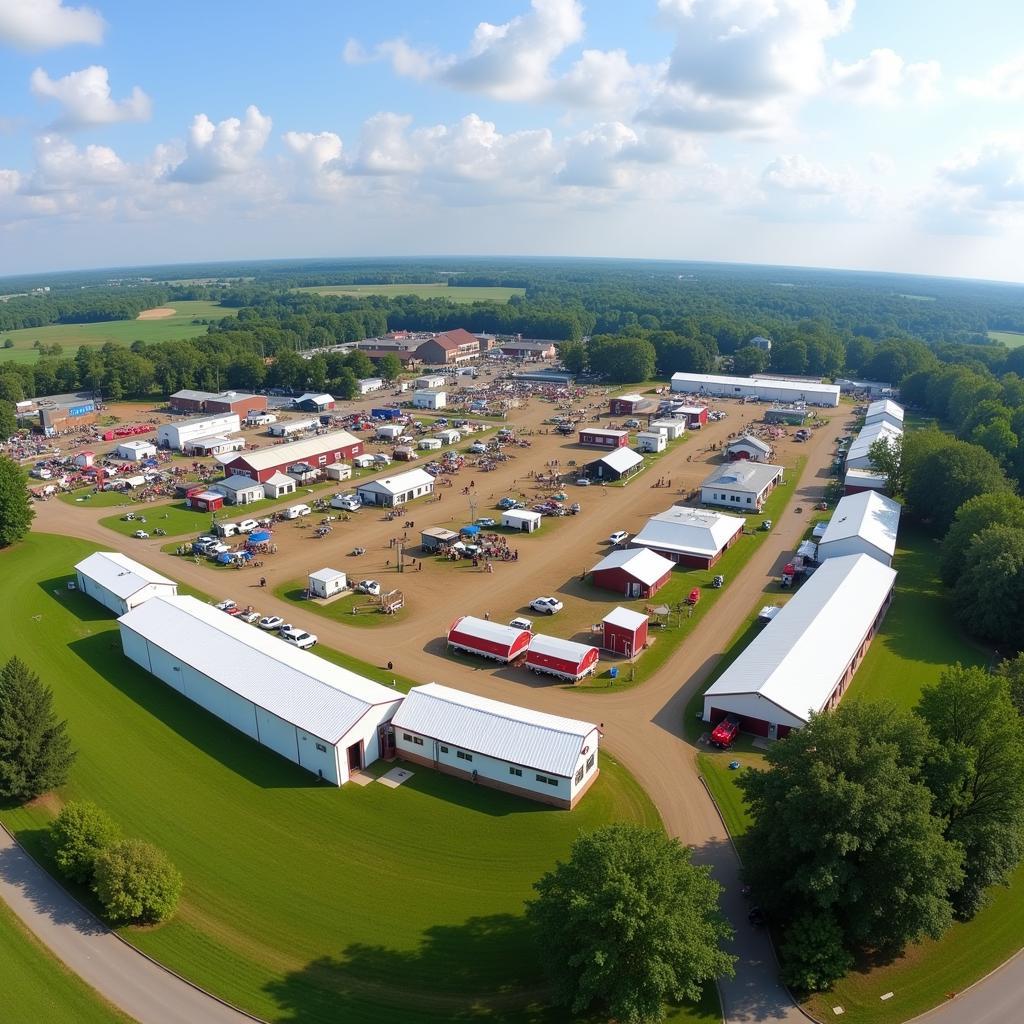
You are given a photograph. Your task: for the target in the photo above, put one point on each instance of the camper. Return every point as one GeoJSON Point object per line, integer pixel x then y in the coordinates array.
{"type": "Point", "coordinates": [295, 511]}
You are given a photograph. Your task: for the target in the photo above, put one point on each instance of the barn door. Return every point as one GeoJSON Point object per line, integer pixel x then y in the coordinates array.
{"type": "Point", "coordinates": [634, 589]}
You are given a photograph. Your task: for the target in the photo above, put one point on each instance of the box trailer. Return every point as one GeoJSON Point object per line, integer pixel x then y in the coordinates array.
{"type": "Point", "coordinates": [488, 639]}
{"type": "Point", "coordinates": [565, 659]}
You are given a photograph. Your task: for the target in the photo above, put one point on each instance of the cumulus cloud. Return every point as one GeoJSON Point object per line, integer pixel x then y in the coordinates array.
{"type": "Point", "coordinates": [86, 98]}
{"type": "Point", "coordinates": [46, 24]}
{"type": "Point", "coordinates": [230, 147]}
{"type": "Point", "coordinates": [885, 77]}
{"type": "Point", "coordinates": [794, 188]}
{"type": "Point", "coordinates": [993, 173]}
{"type": "Point", "coordinates": [317, 160]}
{"type": "Point", "coordinates": [61, 166]}
{"type": "Point", "coordinates": [1002, 82]}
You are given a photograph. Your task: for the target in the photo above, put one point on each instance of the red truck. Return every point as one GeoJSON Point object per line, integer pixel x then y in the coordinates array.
{"type": "Point", "coordinates": [724, 734]}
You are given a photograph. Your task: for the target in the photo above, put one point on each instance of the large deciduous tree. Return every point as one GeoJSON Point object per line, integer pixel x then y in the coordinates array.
{"type": "Point", "coordinates": [16, 511]}
{"type": "Point", "coordinates": [78, 834]}
{"type": "Point", "coordinates": [629, 922]}
{"type": "Point", "coordinates": [990, 588]}
{"type": "Point", "coordinates": [971, 518]}
{"type": "Point", "coordinates": [135, 881]}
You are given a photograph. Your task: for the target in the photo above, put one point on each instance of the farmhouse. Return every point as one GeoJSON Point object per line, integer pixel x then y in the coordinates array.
{"type": "Point", "coordinates": [239, 490]}
{"type": "Point", "coordinates": [651, 441]}
{"type": "Point", "coordinates": [617, 465]}
{"type": "Point", "coordinates": [119, 582]}
{"type": "Point", "coordinates": [434, 538]}
{"type": "Point", "coordinates": [632, 405]}
{"type": "Point", "coordinates": [291, 428]}
{"type": "Point", "coordinates": [857, 480]}
{"type": "Point", "coordinates": [596, 437]}
{"type": "Point", "coordinates": [749, 447]}
{"type": "Point", "coordinates": [528, 753]}
{"type": "Point", "coordinates": [218, 403]}
{"type": "Point", "coordinates": [136, 451]}
{"type": "Point", "coordinates": [624, 631]}
{"type": "Point", "coordinates": [322, 717]}
{"type": "Point", "coordinates": [521, 519]}
{"type": "Point", "coordinates": [858, 457]}
{"type": "Point", "coordinates": [565, 659]}
{"type": "Point", "coordinates": [326, 583]}
{"type": "Point", "coordinates": [740, 485]}
{"type": "Point", "coordinates": [884, 411]}
{"type": "Point", "coordinates": [313, 402]}
{"type": "Point", "coordinates": [672, 429]}
{"type": "Point", "coordinates": [805, 657]}
{"type": "Point", "coordinates": [320, 451]}
{"type": "Point", "coordinates": [488, 639]}
{"type": "Point", "coordinates": [456, 346]}
{"type": "Point", "coordinates": [864, 523]}
{"type": "Point", "coordinates": [177, 435]}
{"type": "Point", "coordinates": [429, 398]}
{"type": "Point", "coordinates": [749, 387]}
{"type": "Point", "coordinates": [690, 536]}
{"type": "Point", "coordinates": [396, 490]}
{"type": "Point", "coordinates": [632, 572]}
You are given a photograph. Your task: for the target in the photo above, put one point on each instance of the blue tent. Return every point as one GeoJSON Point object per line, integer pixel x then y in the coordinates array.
{"type": "Point", "coordinates": [225, 557]}
{"type": "Point", "coordinates": [259, 537]}
{"type": "Point", "coordinates": [470, 531]}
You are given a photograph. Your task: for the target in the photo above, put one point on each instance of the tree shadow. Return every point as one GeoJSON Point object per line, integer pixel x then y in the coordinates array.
{"type": "Point", "coordinates": [74, 601]}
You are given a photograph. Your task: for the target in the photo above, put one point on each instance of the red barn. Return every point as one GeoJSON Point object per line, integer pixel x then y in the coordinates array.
{"type": "Point", "coordinates": [488, 639]}
{"type": "Point", "coordinates": [242, 404]}
{"type": "Point", "coordinates": [562, 658]}
{"type": "Point", "coordinates": [625, 631]}
{"type": "Point", "coordinates": [633, 572]}
{"type": "Point", "coordinates": [631, 405]}
{"type": "Point", "coordinates": [696, 416]}
{"type": "Point", "coordinates": [318, 452]}
{"type": "Point", "coordinates": [596, 437]}
{"type": "Point", "coordinates": [205, 501]}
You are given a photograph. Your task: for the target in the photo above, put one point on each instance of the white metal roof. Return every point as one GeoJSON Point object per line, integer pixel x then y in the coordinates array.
{"type": "Point", "coordinates": [753, 442]}
{"type": "Point", "coordinates": [192, 395]}
{"type": "Point", "coordinates": [495, 729]}
{"type": "Point", "coordinates": [327, 575]}
{"type": "Point", "coordinates": [796, 661]}
{"type": "Point", "coordinates": [689, 530]}
{"type": "Point", "coordinates": [294, 451]}
{"type": "Point", "coordinates": [865, 477]}
{"type": "Point", "coordinates": [625, 618]}
{"type": "Point", "coordinates": [556, 647]}
{"type": "Point", "coordinates": [885, 407]}
{"type": "Point", "coordinates": [119, 574]}
{"type": "Point", "coordinates": [135, 445]}
{"type": "Point", "coordinates": [240, 483]}
{"type": "Point", "coordinates": [622, 459]}
{"type": "Point", "coordinates": [276, 480]}
{"type": "Point", "coordinates": [313, 694]}
{"type": "Point", "coordinates": [869, 435]}
{"type": "Point", "coordinates": [643, 563]}
{"type": "Point", "coordinates": [743, 476]}
{"type": "Point", "coordinates": [311, 396]}
{"type": "Point", "coordinates": [628, 398]}
{"type": "Point", "coordinates": [690, 410]}
{"type": "Point", "coordinates": [869, 515]}
{"type": "Point", "coordinates": [695, 381]}
{"type": "Point", "coordinates": [522, 515]}
{"type": "Point", "coordinates": [604, 431]}
{"type": "Point", "coordinates": [484, 629]}
{"type": "Point", "coordinates": [398, 484]}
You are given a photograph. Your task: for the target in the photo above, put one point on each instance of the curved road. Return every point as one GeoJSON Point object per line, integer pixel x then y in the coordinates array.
{"type": "Point", "coordinates": [642, 726]}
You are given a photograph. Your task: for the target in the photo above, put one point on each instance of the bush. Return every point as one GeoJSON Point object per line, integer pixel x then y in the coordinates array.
{"type": "Point", "coordinates": [813, 954]}
{"type": "Point", "coordinates": [135, 881]}
{"type": "Point", "coordinates": [79, 833]}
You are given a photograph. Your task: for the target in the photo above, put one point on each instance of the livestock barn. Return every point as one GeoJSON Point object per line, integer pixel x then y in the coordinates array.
{"type": "Point", "coordinates": [119, 582]}
{"type": "Point", "coordinates": [632, 572]}
{"type": "Point", "coordinates": [598, 437]}
{"type": "Point", "coordinates": [617, 465]}
{"type": "Point", "coordinates": [690, 536]}
{"type": "Point", "coordinates": [488, 639]}
{"type": "Point", "coordinates": [264, 463]}
{"type": "Point", "coordinates": [565, 659]}
{"type": "Point", "coordinates": [318, 715]}
{"type": "Point", "coordinates": [884, 411]}
{"type": "Point", "coordinates": [857, 480]}
{"type": "Point", "coordinates": [694, 416]}
{"type": "Point", "coordinates": [178, 434]}
{"type": "Point", "coordinates": [749, 447]}
{"type": "Point", "coordinates": [858, 455]}
{"type": "Point", "coordinates": [804, 659]}
{"type": "Point", "coordinates": [864, 523]}
{"type": "Point", "coordinates": [811, 392]}
{"type": "Point", "coordinates": [529, 753]}
{"type": "Point", "coordinates": [624, 631]}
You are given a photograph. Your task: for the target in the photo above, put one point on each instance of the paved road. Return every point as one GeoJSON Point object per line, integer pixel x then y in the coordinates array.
{"type": "Point", "coordinates": [993, 1000]}
{"type": "Point", "coordinates": [127, 979]}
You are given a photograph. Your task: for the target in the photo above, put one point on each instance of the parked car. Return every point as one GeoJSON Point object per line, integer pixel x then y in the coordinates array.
{"type": "Point", "coordinates": [142, 535]}
{"type": "Point", "coordinates": [694, 596]}
{"type": "Point", "coordinates": [271, 622]}
{"type": "Point", "coordinates": [381, 459]}
{"type": "Point", "coordinates": [371, 587]}
{"type": "Point", "coordinates": [547, 605]}
{"type": "Point", "coordinates": [251, 617]}
{"type": "Point", "coordinates": [520, 622]}
{"type": "Point", "coordinates": [766, 524]}
{"type": "Point", "coordinates": [718, 582]}
{"type": "Point", "coordinates": [247, 525]}
{"type": "Point", "coordinates": [618, 537]}
{"type": "Point", "coordinates": [347, 502]}
{"type": "Point", "coordinates": [228, 606]}
{"type": "Point", "coordinates": [298, 638]}
{"type": "Point", "coordinates": [506, 503]}
{"type": "Point", "coordinates": [631, 424]}
{"type": "Point", "coordinates": [583, 482]}
{"type": "Point", "coordinates": [486, 521]}
{"type": "Point", "coordinates": [477, 448]}
{"type": "Point", "coordinates": [724, 734]}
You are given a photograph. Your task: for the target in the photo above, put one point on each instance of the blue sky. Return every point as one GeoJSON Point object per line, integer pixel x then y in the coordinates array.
{"type": "Point", "coordinates": [868, 134]}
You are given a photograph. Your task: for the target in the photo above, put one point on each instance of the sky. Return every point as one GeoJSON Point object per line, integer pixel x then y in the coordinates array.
{"type": "Point", "coordinates": [865, 134]}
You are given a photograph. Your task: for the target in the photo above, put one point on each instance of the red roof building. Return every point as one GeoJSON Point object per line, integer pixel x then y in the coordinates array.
{"type": "Point", "coordinates": [206, 501]}
{"type": "Point", "coordinates": [456, 346]}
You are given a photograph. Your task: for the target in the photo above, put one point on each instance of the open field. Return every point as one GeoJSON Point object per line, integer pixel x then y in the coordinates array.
{"type": "Point", "coordinates": [1011, 339]}
{"type": "Point", "coordinates": [120, 332]}
{"type": "Point", "coordinates": [435, 290]}
{"type": "Point", "coordinates": [38, 987]}
{"type": "Point", "coordinates": [303, 901]}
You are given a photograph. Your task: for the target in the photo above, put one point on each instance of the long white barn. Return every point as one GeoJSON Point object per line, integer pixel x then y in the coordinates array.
{"type": "Point", "coordinates": [750, 387]}
{"type": "Point", "coordinates": [119, 582]}
{"type": "Point", "coordinates": [322, 717]}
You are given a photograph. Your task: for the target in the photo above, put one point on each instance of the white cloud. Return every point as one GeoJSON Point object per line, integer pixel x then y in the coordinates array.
{"type": "Point", "coordinates": [885, 77]}
{"type": "Point", "coordinates": [992, 173]}
{"type": "Point", "coordinates": [86, 99]}
{"type": "Point", "coordinates": [797, 174]}
{"type": "Point", "coordinates": [63, 166]}
{"type": "Point", "coordinates": [1002, 82]}
{"type": "Point", "coordinates": [383, 146]}
{"type": "Point", "coordinates": [604, 79]}
{"type": "Point", "coordinates": [10, 181]}
{"type": "Point", "coordinates": [881, 164]}
{"type": "Point", "coordinates": [45, 24]}
{"type": "Point", "coordinates": [230, 147]}
{"type": "Point", "coordinates": [316, 159]}
{"type": "Point", "coordinates": [795, 189]}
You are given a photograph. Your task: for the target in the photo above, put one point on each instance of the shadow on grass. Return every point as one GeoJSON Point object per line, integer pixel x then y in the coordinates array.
{"type": "Point", "coordinates": [472, 796]}
{"type": "Point", "coordinates": [81, 606]}
{"type": "Point", "coordinates": [233, 749]}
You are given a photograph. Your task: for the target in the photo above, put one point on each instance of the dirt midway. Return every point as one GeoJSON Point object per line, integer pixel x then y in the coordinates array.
{"type": "Point", "coordinates": [159, 313]}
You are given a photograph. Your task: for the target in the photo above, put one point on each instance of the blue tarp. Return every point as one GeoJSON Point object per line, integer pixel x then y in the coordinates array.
{"type": "Point", "coordinates": [259, 537]}
{"type": "Point", "coordinates": [224, 557]}
{"type": "Point", "coordinates": [470, 530]}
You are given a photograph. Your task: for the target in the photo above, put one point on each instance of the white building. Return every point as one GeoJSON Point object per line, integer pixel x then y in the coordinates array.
{"type": "Point", "coordinates": [396, 490]}
{"type": "Point", "coordinates": [450, 435]}
{"type": "Point", "coordinates": [529, 753]}
{"type": "Point", "coordinates": [368, 384]}
{"type": "Point", "coordinates": [431, 381]}
{"type": "Point", "coordinates": [864, 480]}
{"type": "Point", "coordinates": [322, 717]}
{"type": "Point", "coordinates": [290, 428]}
{"type": "Point", "coordinates": [135, 451]}
{"type": "Point", "coordinates": [804, 659]}
{"type": "Point", "coordinates": [749, 387]}
{"type": "Point", "coordinates": [177, 435]}
{"type": "Point", "coordinates": [119, 582]}
{"type": "Point", "coordinates": [672, 429]}
{"type": "Point", "coordinates": [390, 431]}
{"type": "Point", "coordinates": [239, 490]}
{"type": "Point", "coordinates": [338, 471]}
{"type": "Point", "coordinates": [651, 441]}
{"type": "Point", "coordinates": [858, 455]}
{"type": "Point", "coordinates": [521, 519]}
{"type": "Point", "coordinates": [884, 411]}
{"type": "Point", "coordinates": [429, 398]}
{"type": "Point", "coordinates": [279, 485]}
{"type": "Point", "coordinates": [690, 536]}
{"type": "Point", "coordinates": [326, 582]}
{"type": "Point", "coordinates": [749, 447]}
{"type": "Point", "coordinates": [864, 523]}
{"type": "Point", "coordinates": [742, 485]}
{"type": "Point", "coordinates": [213, 445]}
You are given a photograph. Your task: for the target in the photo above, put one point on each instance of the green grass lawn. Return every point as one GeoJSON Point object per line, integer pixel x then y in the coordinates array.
{"type": "Point", "coordinates": [36, 986]}
{"type": "Point", "coordinates": [302, 901]}
{"type": "Point", "coordinates": [1011, 339]}
{"type": "Point", "coordinates": [86, 496]}
{"type": "Point", "coordinates": [433, 290]}
{"type": "Point", "coordinates": [120, 332]}
{"type": "Point", "coordinates": [341, 610]}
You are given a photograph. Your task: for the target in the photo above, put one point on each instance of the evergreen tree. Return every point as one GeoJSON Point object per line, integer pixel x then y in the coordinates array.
{"type": "Point", "coordinates": [16, 511]}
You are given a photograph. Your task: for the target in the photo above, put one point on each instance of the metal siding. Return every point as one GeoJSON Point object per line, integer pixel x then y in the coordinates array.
{"type": "Point", "coordinates": [229, 707]}
{"type": "Point", "coordinates": [277, 734]}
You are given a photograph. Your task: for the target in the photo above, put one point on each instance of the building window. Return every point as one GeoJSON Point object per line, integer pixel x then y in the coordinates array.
{"type": "Point", "coordinates": [322, 748]}
{"type": "Point", "coordinates": [748, 501]}
{"type": "Point", "coordinates": [579, 775]}
{"type": "Point", "coordinates": [518, 772]}
{"type": "Point", "coordinates": [407, 737]}
{"type": "Point", "coordinates": [463, 756]}
{"type": "Point", "coordinates": [418, 740]}
{"type": "Point", "coordinates": [590, 761]}
{"type": "Point", "coordinates": [547, 779]}
{"type": "Point", "coordinates": [444, 750]}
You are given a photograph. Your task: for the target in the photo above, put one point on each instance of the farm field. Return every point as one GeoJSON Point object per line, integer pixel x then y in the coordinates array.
{"type": "Point", "coordinates": [1011, 339]}
{"type": "Point", "coordinates": [120, 332]}
{"type": "Point", "coordinates": [38, 987]}
{"type": "Point", "coordinates": [433, 290]}
{"type": "Point", "coordinates": [303, 901]}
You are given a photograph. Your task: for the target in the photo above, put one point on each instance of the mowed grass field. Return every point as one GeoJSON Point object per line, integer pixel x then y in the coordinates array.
{"type": "Point", "coordinates": [302, 901]}
{"type": "Point", "coordinates": [36, 986]}
{"type": "Point", "coordinates": [434, 290]}
{"type": "Point", "coordinates": [120, 332]}
{"type": "Point", "coordinates": [1011, 339]}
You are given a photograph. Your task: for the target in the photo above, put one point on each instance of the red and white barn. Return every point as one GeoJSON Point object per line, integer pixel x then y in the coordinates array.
{"type": "Point", "coordinates": [690, 536]}
{"type": "Point", "coordinates": [696, 416]}
{"type": "Point", "coordinates": [263, 463]}
{"type": "Point", "coordinates": [488, 639]}
{"type": "Point", "coordinates": [625, 631]}
{"type": "Point", "coordinates": [565, 659]}
{"type": "Point", "coordinates": [206, 501]}
{"type": "Point", "coordinates": [632, 405]}
{"type": "Point", "coordinates": [749, 447]}
{"type": "Point", "coordinates": [597, 437]}
{"type": "Point", "coordinates": [632, 572]}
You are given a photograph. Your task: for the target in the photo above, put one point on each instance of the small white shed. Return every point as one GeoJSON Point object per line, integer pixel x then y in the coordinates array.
{"type": "Point", "coordinates": [651, 441]}
{"type": "Point", "coordinates": [672, 429]}
{"type": "Point", "coordinates": [430, 381]}
{"type": "Point", "coordinates": [136, 450]}
{"type": "Point", "coordinates": [428, 398]}
{"type": "Point", "coordinates": [326, 582]}
{"type": "Point", "coordinates": [389, 431]}
{"type": "Point", "coordinates": [278, 485]}
{"type": "Point", "coordinates": [431, 443]}
{"type": "Point", "coordinates": [338, 471]}
{"type": "Point", "coordinates": [521, 519]}
{"type": "Point", "coordinates": [449, 436]}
